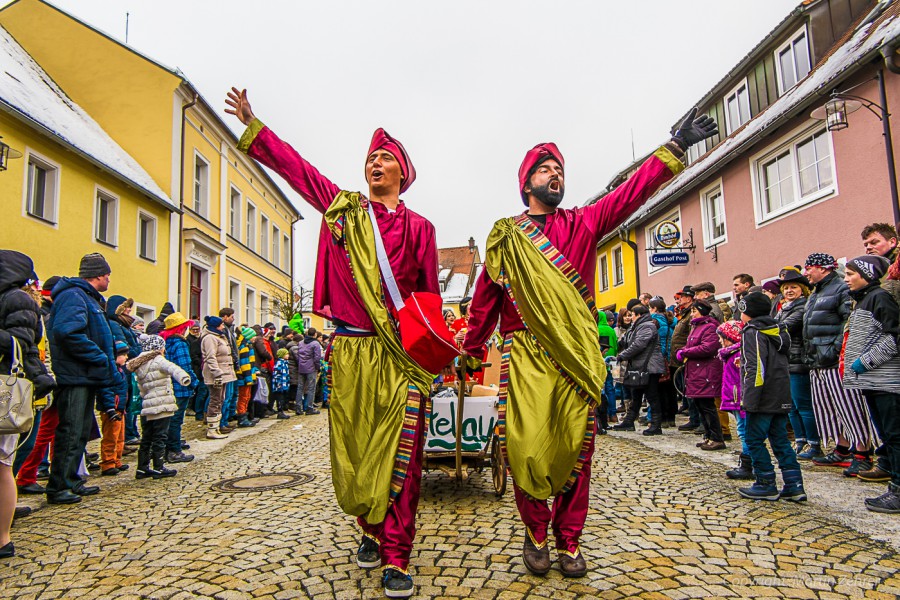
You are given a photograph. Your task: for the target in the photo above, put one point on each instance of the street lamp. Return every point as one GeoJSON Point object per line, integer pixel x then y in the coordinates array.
{"type": "Point", "coordinates": [841, 104]}
{"type": "Point", "coordinates": [6, 153]}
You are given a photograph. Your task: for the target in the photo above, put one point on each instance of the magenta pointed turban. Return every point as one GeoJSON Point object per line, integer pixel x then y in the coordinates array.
{"type": "Point", "coordinates": [382, 140]}
{"type": "Point", "coordinates": [533, 158]}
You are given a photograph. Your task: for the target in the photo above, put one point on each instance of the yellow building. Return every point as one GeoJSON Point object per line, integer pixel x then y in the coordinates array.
{"type": "Point", "coordinates": [616, 282]}
{"type": "Point", "coordinates": [229, 244]}
{"type": "Point", "coordinates": [72, 190]}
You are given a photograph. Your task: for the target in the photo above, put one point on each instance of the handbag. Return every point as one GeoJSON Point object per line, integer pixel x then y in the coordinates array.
{"type": "Point", "coordinates": [16, 396]}
{"type": "Point", "coordinates": [424, 335]}
{"type": "Point", "coordinates": [262, 391]}
{"type": "Point", "coordinates": [639, 377]}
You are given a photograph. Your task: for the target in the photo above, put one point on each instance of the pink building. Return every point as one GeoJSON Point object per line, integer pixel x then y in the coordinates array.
{"type": "Point", "coordinates": [776, 184]}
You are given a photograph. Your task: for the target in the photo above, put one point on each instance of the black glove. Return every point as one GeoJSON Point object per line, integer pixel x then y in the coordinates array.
{"type": "Point", "coordinates": [43, 385]}
{"type": "Point", "coordinates": [113, 415]}
{"type": "Point", "coordinates": [694, 130]}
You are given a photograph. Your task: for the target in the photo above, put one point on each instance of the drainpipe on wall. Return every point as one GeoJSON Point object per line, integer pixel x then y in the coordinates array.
{"type": "Point", "coordinates": [623, 235]}
{"type": "Point", "coordinates": [181, 203]}
{"type": "Point", "coordinates": [293, 223]}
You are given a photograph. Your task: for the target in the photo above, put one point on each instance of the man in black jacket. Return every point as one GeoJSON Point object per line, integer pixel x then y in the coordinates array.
{"type": "Point", "coordinates": [840, 413]}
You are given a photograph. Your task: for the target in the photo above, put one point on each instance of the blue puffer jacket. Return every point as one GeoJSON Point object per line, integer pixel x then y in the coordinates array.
{"type": "Point", "coordinates": [665, 331]}
{"type": "Point", "coordinates": [81, 343]}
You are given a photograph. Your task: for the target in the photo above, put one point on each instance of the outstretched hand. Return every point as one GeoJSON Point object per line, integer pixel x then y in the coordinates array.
{"type": "Point", "coordinates": [240, 106]}
{"type": "Point", "coordinates": [695, 129]}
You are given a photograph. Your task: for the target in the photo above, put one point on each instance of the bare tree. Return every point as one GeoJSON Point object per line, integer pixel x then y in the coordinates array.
{"type": "Point", "coordinates": [285, 303]}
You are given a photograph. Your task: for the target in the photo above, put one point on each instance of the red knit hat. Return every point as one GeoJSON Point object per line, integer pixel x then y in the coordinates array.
{"type": "Point", "coordinates": [731, 330]}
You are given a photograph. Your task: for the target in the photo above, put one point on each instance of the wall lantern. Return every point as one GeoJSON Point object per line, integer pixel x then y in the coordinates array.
{"type": "Point", "coordinates": [7, 153]}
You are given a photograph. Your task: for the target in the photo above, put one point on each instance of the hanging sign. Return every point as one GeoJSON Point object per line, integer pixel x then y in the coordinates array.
{"type": "Point", "coordinates": [669, 259]}
{"type": "Point", "coordinates": [667, 234]}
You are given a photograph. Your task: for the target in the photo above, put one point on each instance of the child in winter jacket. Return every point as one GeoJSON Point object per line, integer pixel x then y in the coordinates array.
{"type": "Point", "coordinates": [112, 403]}
{"type": "Point", "coordinates": [766, 398]}
{"type": "Point", "coordinates": [281, 382]}
{"type": "Point", "coordinates": [730, 338]}
{"type": "Point", "coordinates": [154, 376]}
{"type": "Point", "coordinates": [872, 365]}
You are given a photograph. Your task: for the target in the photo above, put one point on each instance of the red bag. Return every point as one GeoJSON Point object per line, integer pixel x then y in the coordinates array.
{"type": "Point", "coordinates": [423, 333]}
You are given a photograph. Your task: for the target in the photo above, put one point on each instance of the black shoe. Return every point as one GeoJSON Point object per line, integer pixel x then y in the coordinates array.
{"type": "Point", "coordinates": [743, 470]}
{"type": "Point", "coordinates": [145, 473]}
{"type": "Point", "coordinates": [859, 463]}
{"type": "Point", "coordinates": [652, 431]}
{"type": "Point", "coordinates": [178, 457]}
{"type": "Point", "coordinates": [92, 466]}
{"type": "Point", "coordinates": [122, 467]}
{"type": "Point", "coordinates": [92, 457]}
{"type": "Point", "coordinates": [110, 472]}
{"type": "Point", "coordinates": [281, 415]}
{"type": "Point", "coordinates": [166, 472]}
{"type": "Point", "coordinates": [623, 426]}
{"type": "Point", "coordinates": [313, 411]}
{"type": "Point", "coordinates": [726, 437]}
{"type": "Point", "coordinates": [396, 584]}
{"type": "Point", "coordinates": [185, 446]}
{"type": "Point", "coordinates": [133, 442]}
{"type": "Point", "coordinates": [21, 511]}
{"type": "Point", "coordinates": [43, 473]}
{"type": "Point", "coordinates": [888, 503]}
{"type": "Point", "coordinates": [63, 497]}
{"type": "Point", "coordinates": [7, 551]}
{"type": "Point", "coordinates": [689, 427]}
{"type": "Point", "coordinates": [299, 413]}
{"type": "Point", "coordinates": [368, 556]}
{"type": "Point", "coordinates": [31, 488]}
{"type": "Point", "coordinates": [86, 490]}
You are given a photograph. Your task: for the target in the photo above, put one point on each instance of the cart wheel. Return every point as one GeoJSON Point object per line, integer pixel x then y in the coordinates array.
{"type": "Point", "coordinates": [498, 466]}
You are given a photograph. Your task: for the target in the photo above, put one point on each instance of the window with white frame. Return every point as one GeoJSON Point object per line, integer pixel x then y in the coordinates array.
{"type": "Point", "coordinates": [604, 273]}
{"type": "Point", "coordinates": [41, 189]}
{"type": "Point", "coordinates": [251, 226]}
{"type": "Point", "coordinates": [201, 185]}
{"type": "Point", "coordinates": [794, 174]}
{"type": "Point", "coordinates": [264, 236]}
{"type": "Point", "coordinates": [792, 61]}
{"type": "Point", "coordinates": [695, 151]}
{"type": "Point", "coordinates": [275, 257]}
{"type": "Point", "coordinates": [651, 243]}
{"type": "Point", "coordinates": [234, 214]}
{"type": "Point", "coordinates": [286, 253]}
{"type": "Point", "coordinates": [250, 307]}
{"type": "Point", "coordinates": [737, 107]}
{"type": "Point", "coordinates": [146, 236]}
{"type": "Point", "coordinates": [147, 313]}
{"type": "Point", "coordinates": [712, 205]}
{"type": "Point", "coordinates": [234, 296]}
{"type": "Point", "coordinates": [263, 308]}
{"type": "Point", "coordinates": [106, 218]}
{"type": "Point", "coordinates": [618, 266]}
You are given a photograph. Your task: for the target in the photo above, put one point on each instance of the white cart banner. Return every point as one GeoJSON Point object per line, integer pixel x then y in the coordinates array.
{"type": "Point", "coordinates": [477, 426]}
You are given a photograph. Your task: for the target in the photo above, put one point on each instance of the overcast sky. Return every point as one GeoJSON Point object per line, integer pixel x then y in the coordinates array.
{"type": "Point", "coordinates": [467, 86]}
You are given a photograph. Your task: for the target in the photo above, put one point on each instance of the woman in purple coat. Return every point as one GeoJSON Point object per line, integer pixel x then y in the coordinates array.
{"type": "Point", "coordinates": [703, 372]}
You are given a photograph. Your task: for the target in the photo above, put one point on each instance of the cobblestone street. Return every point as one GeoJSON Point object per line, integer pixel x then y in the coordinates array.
{"type": "Point", "coordinates": [662, 525]}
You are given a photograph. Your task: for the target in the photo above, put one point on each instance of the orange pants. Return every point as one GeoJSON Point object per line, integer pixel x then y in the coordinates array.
{"type": "Point", "coordinates": [243, 399]}
{"type": "Point", "coordinates": [112, 443]}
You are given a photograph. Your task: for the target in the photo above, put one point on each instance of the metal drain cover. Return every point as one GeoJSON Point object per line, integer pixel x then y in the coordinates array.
{"type": "Point", "coordinates": [262, 482]}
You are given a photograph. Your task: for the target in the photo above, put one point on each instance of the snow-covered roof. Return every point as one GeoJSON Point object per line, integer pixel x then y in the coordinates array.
{"type": "Point", "coordinates": [862, 43]}
{"type": "Point", "coordinates": [443, 274]}
{"type": "Point", "coordinates": [456, 288]}
{"type": "Point", "coordinates": [29, 93]}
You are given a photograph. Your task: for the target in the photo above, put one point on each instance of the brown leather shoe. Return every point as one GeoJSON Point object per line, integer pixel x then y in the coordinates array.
{"type": "Point", "coordinates": [572, 567]}
{"type": "Point", "coordinates": [537, 560]}
{"type": "Point", "coordinates": [711, 445]}
{"type": "Point", "coordinates": [876, 473]}
{"type": "Point", "coordinates": [226, 429]}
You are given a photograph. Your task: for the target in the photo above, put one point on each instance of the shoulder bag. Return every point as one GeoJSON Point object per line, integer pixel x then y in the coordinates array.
{"type": "Point", "coordinates": [16, 395]}
{"type": "Point", "coordinates": [424, 335]}
{"type": "Point", "coordinates": [639, 377]}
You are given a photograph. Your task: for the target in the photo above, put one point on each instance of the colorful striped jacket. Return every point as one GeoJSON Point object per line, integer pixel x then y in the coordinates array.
{"type": "Point", "coordinates": [246, 362]}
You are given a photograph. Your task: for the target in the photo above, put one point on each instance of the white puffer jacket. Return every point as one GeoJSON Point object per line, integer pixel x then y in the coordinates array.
{"type": "Point", "coordinates": [154, 374]}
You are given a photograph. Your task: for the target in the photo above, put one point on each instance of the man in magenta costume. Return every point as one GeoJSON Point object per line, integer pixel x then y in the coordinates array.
{"type": "Point", "coordinates": [539, 281]}
{"type": "Point", "coordinates": [378, 397]}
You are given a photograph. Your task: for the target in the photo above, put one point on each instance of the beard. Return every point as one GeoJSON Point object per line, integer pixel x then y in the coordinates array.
{"type": "Point", "coordinates": [548, 196]}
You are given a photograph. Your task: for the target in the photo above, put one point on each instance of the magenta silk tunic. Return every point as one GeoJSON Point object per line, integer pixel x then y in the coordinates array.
{"type": "Point", "coordinates": [575, 233]}
{"type": "Point", "coordinates": [408, 238]}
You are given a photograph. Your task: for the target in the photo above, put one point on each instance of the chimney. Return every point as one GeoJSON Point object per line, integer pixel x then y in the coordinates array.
{"type": "Point", "coordinates": [472, 245]}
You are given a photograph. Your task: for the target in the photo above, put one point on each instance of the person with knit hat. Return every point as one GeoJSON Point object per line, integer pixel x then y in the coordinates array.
{"type": "Point", "coordinates": [155, 326]}
{"type": "Point", "coordinates": [247, 376]}
{"type": "Point", "coordinates": [178, 351]}
{"type": "Point", "coordinates": [766, 399]}
{"type": "Point", "coordinates": [155, 375]}
{"type": "Point", "coordinates": [83, 351]}
{"type": "Point", "coordinates": [371, 389]}
{"type": "Point", "coordinates": [281, 382]}
{"type": "Point", "coordinates": [872, 366]}
{"type": "Point", "coordinates": [112, 403]}
{"type": "Point", "coordinates": [841, 414]}
{"type": "Point", "coordinates": [218, 372]}
{"type": "Point", "coordinates": [703, 372]}
{"type": "Point", "coordinates": [558, 247]}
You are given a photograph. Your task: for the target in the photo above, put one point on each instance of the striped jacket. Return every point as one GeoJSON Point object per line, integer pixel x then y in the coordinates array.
{"type": "Point", "coordinates": [872, 338]}
{"type": "Point", "coordinates": [248, 370]}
